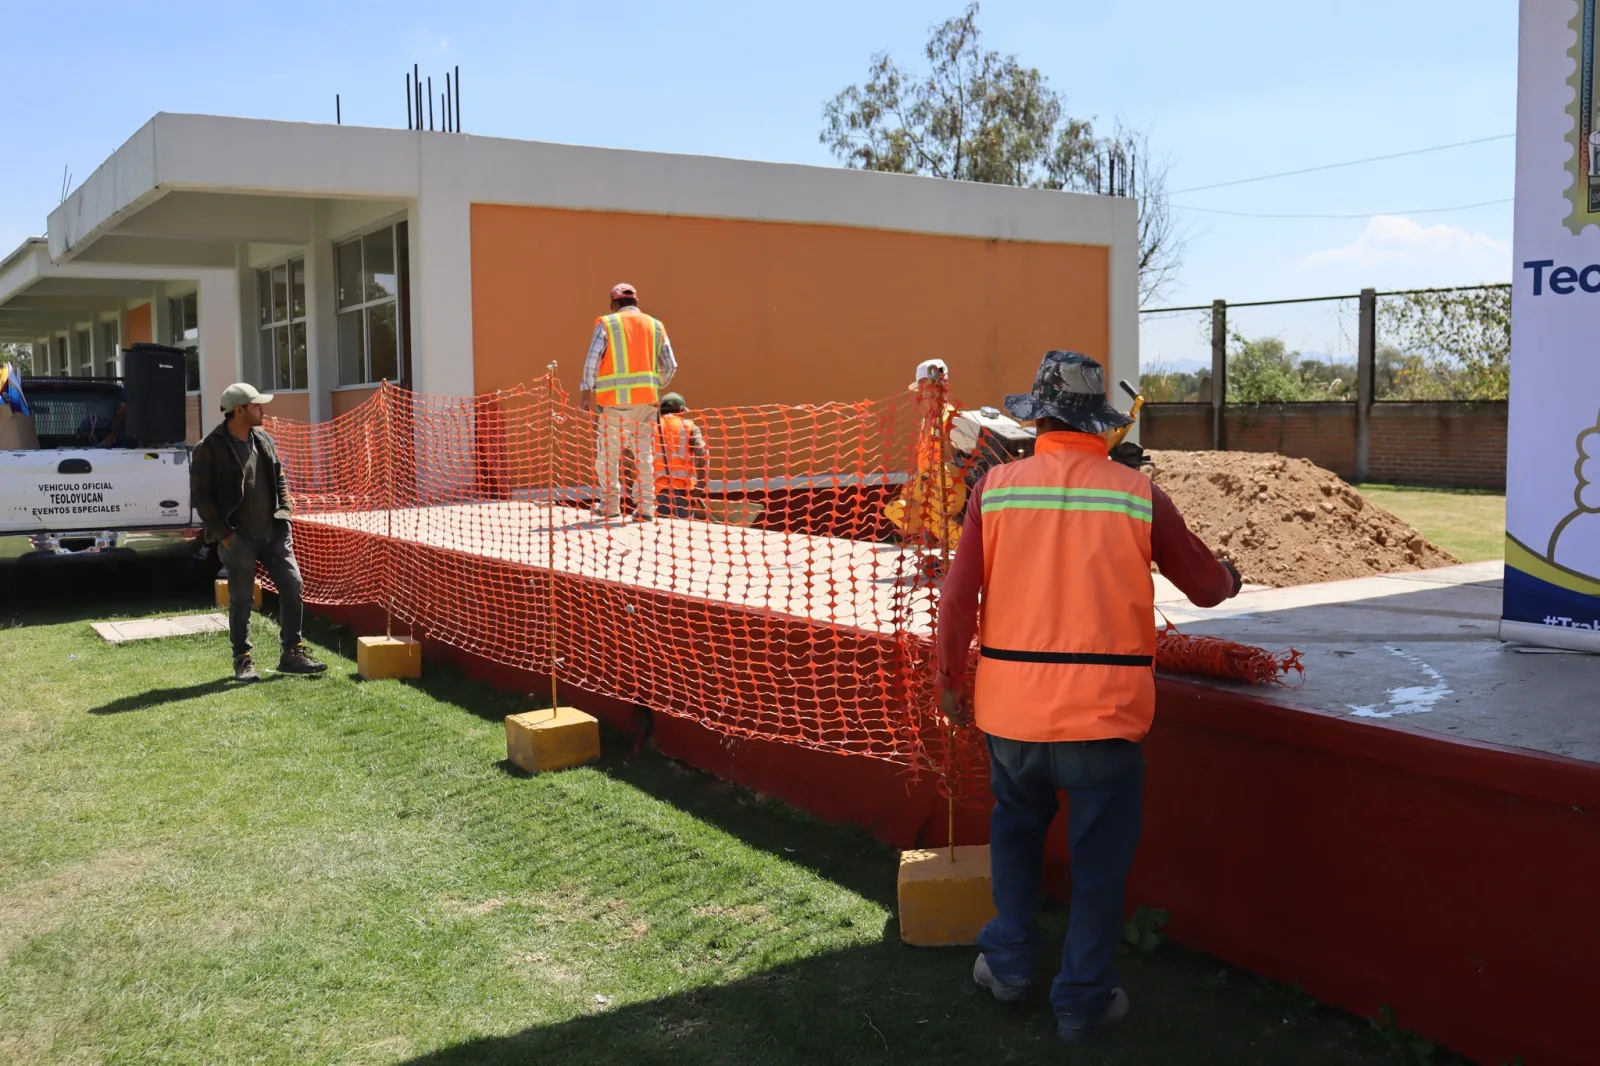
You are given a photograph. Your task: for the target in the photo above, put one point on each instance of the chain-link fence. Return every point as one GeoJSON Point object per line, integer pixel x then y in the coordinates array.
{"type": "Point", "coordinates": [1425, 344]}
{"type": "Point", "coordinates": [1175, 355]}
{"type": "Point", "coordinates": [1443, 344]}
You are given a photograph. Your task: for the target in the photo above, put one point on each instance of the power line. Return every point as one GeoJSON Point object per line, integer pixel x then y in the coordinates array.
{"type": "Point", "coordinates": [1350, 163]}
{"type": "Point", "coordinates": [1362, 214]}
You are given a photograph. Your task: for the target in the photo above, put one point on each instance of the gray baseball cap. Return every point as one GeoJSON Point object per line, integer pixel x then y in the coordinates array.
{"type": "Point", "coordinates": [242, 393]}
{"type": "Point", "coordinates": [1070, 387]}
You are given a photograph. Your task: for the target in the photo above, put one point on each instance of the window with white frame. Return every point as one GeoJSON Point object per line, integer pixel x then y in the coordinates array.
{"type": "Point", "coordinates": [80, 341]}
{"type": "Point", "coordinates": [183, 313]}
{"type": "Point", "coordinates": [369, 272]}
{"type": "Point", "coordinates": [281, 317]}
{"type": "Point", "coordinates": [110, 338]}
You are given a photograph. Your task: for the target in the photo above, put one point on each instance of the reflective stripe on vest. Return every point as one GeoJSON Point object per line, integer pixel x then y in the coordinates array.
{"type": "Point", "coordinates": [628, 371]}
{"type": "Point", "coordinates": [674, 458]}
{"type": "Point", "coordinates": [1067, 645]}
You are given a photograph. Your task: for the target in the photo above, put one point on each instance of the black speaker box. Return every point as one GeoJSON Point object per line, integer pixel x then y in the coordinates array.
{"type": "Point", "coordinates": [154, 375]}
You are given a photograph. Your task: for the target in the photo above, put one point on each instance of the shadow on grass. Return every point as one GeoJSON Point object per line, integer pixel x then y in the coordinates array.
{"type": "Point", "coordinates": [156, 697]}
{"type": "Point", "coordinates": [884, 1002]}
{"type": "Point", "coordinates": [845, 855]}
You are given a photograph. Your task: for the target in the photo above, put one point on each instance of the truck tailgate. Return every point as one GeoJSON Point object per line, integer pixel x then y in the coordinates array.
{"type": "Point", "coordinates": [57, 490]}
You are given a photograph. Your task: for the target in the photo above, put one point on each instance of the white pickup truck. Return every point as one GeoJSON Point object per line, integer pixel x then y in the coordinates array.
{"type": "Point", "coordinates": [75, 498]}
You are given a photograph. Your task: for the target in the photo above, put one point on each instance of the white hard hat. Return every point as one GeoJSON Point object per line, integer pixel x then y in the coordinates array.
{"type": "Point", "coordinates": [929, 369]}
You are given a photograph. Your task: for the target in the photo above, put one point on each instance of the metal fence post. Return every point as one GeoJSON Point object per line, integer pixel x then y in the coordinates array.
{"type": "Point", "coordinates": [1219, 373]}
{"type": "Point", "coordinates": [1366, 381]}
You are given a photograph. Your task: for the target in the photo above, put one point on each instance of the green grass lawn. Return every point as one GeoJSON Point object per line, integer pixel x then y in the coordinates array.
{"type": "Point", "coordinates": [1468, 523]}
{"type": "Point", "coordinates": [329, 871]}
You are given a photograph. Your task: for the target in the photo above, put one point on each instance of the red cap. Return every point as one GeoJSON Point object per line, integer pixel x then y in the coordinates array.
{"type": "Point", "coordinates": [621, 289]}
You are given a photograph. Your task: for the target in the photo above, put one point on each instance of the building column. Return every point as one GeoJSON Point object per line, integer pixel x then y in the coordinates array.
{"type": "Point", "coordinates": [221, 341]}
{"type": "Point", "coordinates": [322, 328]}
{"type": "Point", "coordinates": [1122, 360]}
{"type": "Point", "coordinates": [441, 287]}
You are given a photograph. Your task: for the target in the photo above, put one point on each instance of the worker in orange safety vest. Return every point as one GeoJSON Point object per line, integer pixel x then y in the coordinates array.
{"type": "Point", "coordinates": [683, 462]}
{"type": "Point", "coordinates": [1058, 546]}
{"type": "Point", "coordinates": [927, 511]}
{"type": "Point", "coordinates": [629, 361]}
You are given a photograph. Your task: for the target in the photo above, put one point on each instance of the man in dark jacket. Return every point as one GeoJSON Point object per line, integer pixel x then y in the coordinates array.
{"type": "Point", "coordinates": [241, 495]}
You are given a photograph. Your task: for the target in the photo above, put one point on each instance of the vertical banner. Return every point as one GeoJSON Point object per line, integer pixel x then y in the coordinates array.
{"type": "Point", "coordinates": [1552, 584]}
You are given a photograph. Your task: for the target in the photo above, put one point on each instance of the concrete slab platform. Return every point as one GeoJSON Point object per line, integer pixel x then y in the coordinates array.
{"type": "Point", "coordinates": [1419, 648]}
{"type": "Point", "coordinates": [183, 625]}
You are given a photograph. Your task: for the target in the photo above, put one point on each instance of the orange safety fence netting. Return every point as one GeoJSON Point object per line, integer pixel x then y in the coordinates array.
{"type": "Point", "coordinates": [773, 600]}
{"type": "Point", "coordinates": [790, 594]}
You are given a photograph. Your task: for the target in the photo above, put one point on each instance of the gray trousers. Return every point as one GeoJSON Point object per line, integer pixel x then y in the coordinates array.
{"type": "Point", "coordinates": [276, 554]}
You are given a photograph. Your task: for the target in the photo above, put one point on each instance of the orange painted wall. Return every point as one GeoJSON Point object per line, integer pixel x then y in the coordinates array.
{"type": "Point", "coordinates": [766, 312]}
{"type": "Point", "coordinates": [291, 405]}
{"type": "Point", "coordinates": [345, 401]}
{"type": "Point", "coordinates": [139, 331]}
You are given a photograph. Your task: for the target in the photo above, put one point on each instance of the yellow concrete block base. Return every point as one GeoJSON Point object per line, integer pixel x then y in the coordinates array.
{"type": "Point", "coordinates": [222, 593]}
{"type": "Point", "coordinates": [537, 741]}
{"type": "Point", "coordinates": [380, 658]}
{"type": "Point", "coordinates": [944, 903]}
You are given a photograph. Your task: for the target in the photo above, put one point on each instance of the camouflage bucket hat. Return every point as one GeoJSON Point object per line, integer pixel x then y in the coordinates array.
{"type": "Point", "coordinates": [1069, 387]}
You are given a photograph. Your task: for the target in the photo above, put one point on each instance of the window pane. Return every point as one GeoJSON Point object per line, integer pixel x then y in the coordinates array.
{"type": "Point", "coordinates": [280, 348]}
{"type": "Point", "coordinates": [268, 358]}
{"type": "Point", "coordinates": [352, 349]}
{"type": "Point", "coordinates": [263, 297]}
{"type": "Point", "coordinates": [191, 316]}
{"type": "Point", "coordinates": [348, 268]}
{"type": "Point", "coordinates": [297, 355]}
{"type": "Point", "coordinates": [191, 369]}
{"type": "Point", "coordinates": [297, 288]}
{"type": "Point", "coordinates": [381, 336]}
{"type": "Point", "coordinates": [280, 293]}
{"type": "Point", "coordinates": [377, 276]}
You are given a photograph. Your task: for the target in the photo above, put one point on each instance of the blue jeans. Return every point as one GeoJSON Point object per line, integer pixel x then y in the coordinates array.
{"type": "Point", "coordinates": [1104, 782]}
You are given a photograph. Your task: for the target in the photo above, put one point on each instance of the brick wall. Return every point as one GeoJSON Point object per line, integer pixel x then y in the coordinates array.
{"type": "Point", "coordinates": [1178, 426]}
{"type": "Point", "coordinates": [1462, 445]}
{"type": "Point", "coordinates": [1459, 445]}
{"type": "Point", "coordinates": [1325, 433]}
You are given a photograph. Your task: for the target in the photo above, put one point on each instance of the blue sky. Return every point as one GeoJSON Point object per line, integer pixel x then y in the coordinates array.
{"type": "Point", "coordinates": [1226, 91]}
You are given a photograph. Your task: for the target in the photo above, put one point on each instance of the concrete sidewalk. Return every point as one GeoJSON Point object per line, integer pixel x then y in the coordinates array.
{"type": "Point", "coordinates": [1418, 647]}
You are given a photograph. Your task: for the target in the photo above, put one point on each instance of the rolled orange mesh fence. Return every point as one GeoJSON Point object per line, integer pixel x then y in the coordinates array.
{"type": "Point", "coordinates": [790, 594]}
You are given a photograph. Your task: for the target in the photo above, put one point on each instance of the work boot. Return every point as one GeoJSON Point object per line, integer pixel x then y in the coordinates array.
{"type": "Point", "coordinates": [296, 661]}
{"type": "Point", "coordinates": [1075, 1030]}
{"type": "Point", "coordinates": [244, 668]}
{"type": "Point", "coordinates": [1004, 991]}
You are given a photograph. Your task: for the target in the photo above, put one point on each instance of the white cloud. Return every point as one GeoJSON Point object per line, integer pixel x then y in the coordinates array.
{"type": "Point", "coordinates": [1395, 243]}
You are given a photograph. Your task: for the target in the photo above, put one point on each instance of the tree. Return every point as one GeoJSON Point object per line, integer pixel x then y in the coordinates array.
{"type": "Point", "coordinates": [1447, 344]}
{"type": "Point", "coordinates": [19, 356]}
{"type": "Point", "coordinates": [977, 115]}
{"type": "Point", "coordinates": [1263, 370]}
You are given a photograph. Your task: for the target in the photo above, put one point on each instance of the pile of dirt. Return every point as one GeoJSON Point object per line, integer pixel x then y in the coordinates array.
{"type": "Point", "coordinates": [1288, 521]}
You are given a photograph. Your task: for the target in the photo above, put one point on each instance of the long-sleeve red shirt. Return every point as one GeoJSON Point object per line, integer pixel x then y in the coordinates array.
{"type": "Point", "coordinates": [1183, 558]}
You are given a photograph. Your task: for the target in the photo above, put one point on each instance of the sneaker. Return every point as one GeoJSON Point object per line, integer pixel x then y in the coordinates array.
{"type": "Point", "coordinates": [244, 668]}
{"type": "Point", "coordinates": [296, 661]}
{"type": "Point", "coordinates": [1004, 991]}
{"type": "Point", "coordinates": [1074, 1030]}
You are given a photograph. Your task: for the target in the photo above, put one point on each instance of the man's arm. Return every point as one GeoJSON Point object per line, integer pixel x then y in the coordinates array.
{"type": "Point", "coordinates": [281, 484]}
{"type": "Point", "coordinates": [202, 475]}
{"type": "Point", "coordinates": [958, 599]}
{"type": "Point", "coordinates": [591, 367]}
{"type": "Point", "coordinates": [1184, 558]}
{"type": "Point", "coordinates": [701, 454]}
{"type": "Point", "coordinates": [669, 362]}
